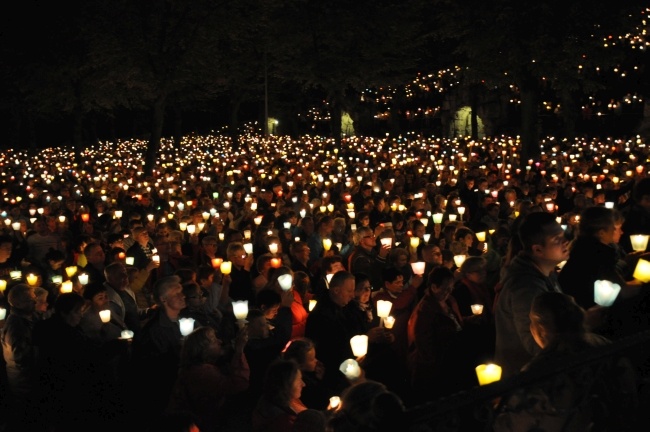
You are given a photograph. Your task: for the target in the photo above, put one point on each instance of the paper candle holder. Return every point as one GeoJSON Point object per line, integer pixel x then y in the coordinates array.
{"type": "Point", "coordinates": [437, 218]}
{"type": "Point", "coordinates": [327, 244]}
{"type": "Point", "coordinates": [605, 292]}
{"type": "Point", "coordinates": [418, 267]}
{"type": "Point", "coordinates": [386, 241]}
{"type": "Point", "coordinates": [248, 248]}
{"type": "Point", "coordinates": [477, 309]}
{"type": "Point", "coordinates": [66, 287]}
{"type": "Point", "coordinates": [105, 315]}
{"type": "Point", "coordinates": [639, 242]}
{"type": "Point", "coordinates": [3, 313]}
{"type": "Point", "coordinates": [312, 304]}
{"type": "Point", "coordinates": [273, 248]}
{"type": "Point", "coordinates": [186, 325]}
{"type": "Point", "coordinates": [642, 271]}
{"type": "Point", "coordinates": [83, 279]}
{"type": "Point", "coordinates": [71, 270]}
{"type": "Point", "coordinates": [488, 373]}
{"type": "Point", "coordinates": [459, 260]}
{"type": "Point", "coordinates": [383, 308]}
{"type": "Point", "coordinates": [240, 309]}
{"type": "Point", "coordinates": [226, 267]}
{"type": "Point", "coordinates": [480, 236]}
{"type": "Point", "coordinates": [359, 345]}
{"type": "Point", "coordinates": [216, 262]}
{"type": "Point", "coordinates": [389, 322]}
{"type": "Point", "coordinates": [350, 368]}
{"type": "Point", "coordinates": [285, 281]}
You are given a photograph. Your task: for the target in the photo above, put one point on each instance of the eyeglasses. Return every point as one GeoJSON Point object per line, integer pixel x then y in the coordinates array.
{"type": "Point", "coordinates": [368, 236]}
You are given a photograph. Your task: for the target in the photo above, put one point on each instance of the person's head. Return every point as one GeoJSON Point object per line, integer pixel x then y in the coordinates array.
{"type": "Point", "coordinates": [301, 283]}
{"type": "Point", "coordinates": [96, 294]}
{"type": "Point", "coordinates": [202, 346]}
{"type": "Point", "coordinates": [263, 263]}
{"type": "Point", "coordinates": [22, 297]}
{"type": "Point", "coordinates": [283, 382]}
{"type": "Point", "coordinates": [140, 235]}
{"type": "Point", "coordinates": [362, 287]}
{"type": "Point", "coordinates": [357, 401]}
{"type": "Point", "coordinates": [302, 351]}
{"type": "Point", "coordinates": [554, 318]}
{"type": "Point", "coordinates": [543, 238]}
{"type": "Point", "coordinates": [194, 296]}
{"type": "Point", "coordinates": [258, 326]}
{"type": "Point", "coordinates": [474, 269]}
{"type": "Point", "coordinates": [95, 255]}
{"type": "Point", "coordinates": [268, 300]}
{"type": "Point", "coordinates": [68, 306]}
{"type": "Point", "coordinates": [464, 235]}
{"type": "Point", "coordinates": [597, 222]}
{"type": "Point", "coordinates": [168, 293]}
{"type": "Point", "coordinates": [300, 251]}
{"type": "Point", "coordinates": [393, 280]}
{"type": "Point", "coordinates": [440, 282]}
{"type": "Point", "coordinates": [209, 244]}
{"type": "Point", "coordinates": [41, 299]}
{"type": "Point", "coordinates": [431, 254]}
{"type": "Point", "coordinates": [236, 254]}
{"type": "Point", "coordinates": [398, 257]}
{"type": "Point", "coordinates": [325, 225]}
{"type": "Point", "coordinates": [6, 247]}
{"type": "Point", "coordinates": [619, 219]}
{"type": "Point", "coordinates": [366, 237]}
{"type": "Point", "coordinates": [188, 274]}
{"type": "Point", "coordinates": [116, 275]}
{"type": "Point", "coordinates": [342, 288]}
{"type": "Point", "coordinates": [641, 193]}
{"type": "Point", "coordinates": [332, 264]}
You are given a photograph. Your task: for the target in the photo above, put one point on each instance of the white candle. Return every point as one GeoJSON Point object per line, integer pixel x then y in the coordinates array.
{"type": "Point", "coordinates": [639, 242]}
{"type": "Point", "coordinates": [452, 217]}
{"type": "Point", "coordinates": [191, 229]}
{"type": "Point", "coordinates": [15, 274]}
{"type": "Point", "coordinates": [247, 234]}
{"type": "Point", "coordinates": [129, 261]}
{"type": "Point", "coordinates": [418, 268]}
{"type": "Point", "coordinates": [105, 315]}
{"type": "Point", "coordinates": [240, 309]}
{"type": "Point", "coordinates": [312, 304]}
{"type": "Point", "coordinates": [66, 287]}
{"type": "Point", "coordinates": [3, 313]}
{"type": "Point", "coordinates": [328, 278]}
{"type": "Point", "coordinates": [426, 237]}
{"type": "Point", "coordinates": [186, 325]}
{"type": "Point", "coordinates": [480, 236]}
{"type": "Point", "coordinates": [83, 278]}
{"type": "Point", "coordinates": [248, 248]}
{"type": "Point", "coordinates": [459, 260]}
{"type": "Point", "coordinates": [335, 401]}
{"type": "Point", "coordinates": [182, 226]}
{"type": "Point", "coordinates": [488, 373]}
{"type": "Point", "coordinates": [327, 244]}
{"type": "Point", "coordinates": [383, 308]}
{"type": "Point", "coordinates": [386, 241]}
{"type": "Point", "coordinates": [155, 258]}
{"type": "Point", "coordinates": [350, 368]}
{"type": "Point", "coordinates": [126, 334]}
{"type": "Point", "coordinates": [389, 322]}
{"type": "Point", "coordinates": [477, 309]}
{"type": "Point", "coordinates": [16, 226]}
{"type": "Point", "coordinates": [609, 205]}
{"type": "Point", "coordinates": [359, 344]}
{"type": "Point", "coordinates": [605, 292]}
{"type": "Point", "coordinates": [56, 279]}
{"type": "Point", "coordinates": [437, 218]}
{"type": "Point", "coordinates": [273, 248]}
{"type": "Point", "coordinates": [285, 281]}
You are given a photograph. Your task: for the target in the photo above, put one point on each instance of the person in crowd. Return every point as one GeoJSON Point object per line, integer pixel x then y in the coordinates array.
{"type": "Point", "coordinates": [241, 286]}
{"type": "Point", "coordinates": [637, 213]}
{"type": "Point", "coordinates": [91, 323]}
{"type": "Point", "coordinates": [530, 273]}
{"type": "Point", "coordinates": [365, 258]}
{"type": "Point", "coordinates": [317, 391]}
{"type": "Point", "coordinates": [202, 385]}
{"type": "Point", "coordinates": [96, 261]}
{"type": "Point", "coordinates": [280, 403]}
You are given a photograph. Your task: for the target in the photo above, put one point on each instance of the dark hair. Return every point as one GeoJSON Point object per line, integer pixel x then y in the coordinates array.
{"type": "Point", "coordinates": [92, 289]}
{"type": "Point", "coordinates": [267, 298]}
{"type": "Point", "coordinates": [641, 189]}
{"type": "Point", "coordinates": [593, 219]}
{"type": "Point", "coordinates": [185, 274]}
{"type": "Point", "coordinates": [389, 274]}
{"type": "Point", "coordinates": [51, 255]}
{"type": "Point", "coordinates": [67, 302]}
{"type": "Point", "coordinates": [438, 275]}
{"type": "Point", "coordinates": [297, 349]}
{"type": "Point", "coordinates": [203, 272]}
{"type": "Point", "coordinates": [534, 228]}
{"type": "Point", "coordinates": [278, 382]}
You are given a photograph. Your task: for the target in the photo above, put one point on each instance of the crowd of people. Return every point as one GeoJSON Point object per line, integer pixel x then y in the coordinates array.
{"type": "Point", "coordinates": [485, 261]}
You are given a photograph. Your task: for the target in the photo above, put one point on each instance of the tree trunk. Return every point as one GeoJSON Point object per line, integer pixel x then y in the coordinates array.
{"type": "Point", "coordinates": [529, 121]}
{"type": "Point", "coordinates": [157, 121]}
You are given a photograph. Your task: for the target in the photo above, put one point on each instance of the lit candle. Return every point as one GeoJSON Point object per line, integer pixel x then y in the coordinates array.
{"type": "Point", "coordinates": [3, 313]}
{"type": "Point", "coordinates": [639, 242]}
{"type": "Point", "coordinates": [609, 205]}
{"type": "Point", "coordinates": [350, 368]}
{"type": "Point", "coordinates": [426, 238]}
{"type": "Point", "coordinates": [389, 322]}
{"type": "Point", "coordinates": [15, 274]}
{"type": "Point", "coordinates": [70, 271]}
{"type": "Point", "coordinates": [186, 325]}
{"type": "Point", "coordinates": [383, 308]}
{"type": "Point", "coordinates": [480, 236]}
{"type": "Point", "coordinates": [121, 255]}
{"type": "Point", "coordinates": [477, 309]}
{"type": "Point", "coordinates": [258, 219]}
{"type": "Point", "coordinates": [155, 258]}
{"type": "Point", "coordinates": [335, 401]}
{"type": "Point", "coordinates": [418, 268]}
{"type": "Point", "coordinates": [32, 279]}
{"type": "Point", "coordinates": [129, 261]}
{"type": "Point", "coordinates": [273, 248]}
{"type": "Point", "coordinates": [386, 241]}
{"type": "Point", "coordinates": [285, 281]}
{"type": "Point", "coordinates": [605, 292]}
{"type": "Point", "coordinates": [3, 285]}
{"type": "Point", "coordinates": [437, 218]}
{"type": "Point", "coordinates": [57, 279]}
{"type": "Point", "coordinates": [191, 229]}
{"type": "Point", "coordinates": [118, 214]}
{"type": "Point", "coordinates": [105, 315]}
{"type": "Point", "coordinates": [276, 262]}
{"type": "Point", "coordinates": [225, 267]}
{"type": "Point", "coordinates": [459, 260]}
{"type": "Point", "coordinates": [359, 345]}
{"type": "Point", "coordinates": [216, 262]}
{"type": "Point", "coordinates": [312, 304]}
{"type": "Point", "coordinates": [83, 278]}
{"type": "Point", "coordinates": [488, 373]}
{"type": "Point", "coordinates": [16, 226]}
{"type": "Point", "coordinates": [452, 217]}
{"type": "Point", "coordinates": [85, 217]}
{"type": "Point", "coordinates": [327, 244]}
{"type": "Point", "coordinates": [415, 241]}
{"type": "Point", "coordinates": [182, 226]}
{"type": "Point", "coordinates": [126, 334]}
{"type": "Point", "coordinates": [642, 271]}
{"type": "Point", "coordinates": [247, 234]}
{"type": "Point", "coordinates": [328, 278]}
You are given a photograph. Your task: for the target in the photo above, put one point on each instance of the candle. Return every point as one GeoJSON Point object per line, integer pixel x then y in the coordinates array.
{"type": "Point", "coordinates": [70, 271]}
{"type": "Point", "coordinates": [383, 308]}
{"type": "Point", "coordinates": [15, 274]}
{"type": "Point", "coordinates": [83, 278]}
{"type": "Point", "coordinates": [191, 229]}
{"type": "Point", "coordinates": [415, 241]}
{"type": "Point", "coordinates": [258, 219]}
{"type": "Point", "coordinates": [642, 271]}
{"type": "Point", "coordinates": [312, 304]}
{"type": "Point", "coordinates": [121, 255]}
{"type": "Point", "coordinates": [126, 334]}
{"type": "Point", "coordinates": [32, 279]}
{"type": "Point", "coordinates": [57, 279]}
{"type": "Point", "coordinates": [418, 268]}
{"type": "Point", "coordinates": [276, 262]}
{"type": "Point", "coordinates": [480, 236]}
{"type": "Point", "coordinates": [389, 322]}
{"type": "Point", "coordinates": [129, 261]}
{"type": "Point", "coordinates": [66, 287]}
{"type": "Point", "coordinates": [105, 315]}
{"type": "Point", "coordinates": [186, 325]}
{"type": "Point", "coordinates": [273, 248]}
{"type": "Point", "coordinates": [477, 309]}
{"type": "Point", "coordinates": [118, 214]}
{"type": "Point", "coordinates": [437, 218]}
{"type": "Point", "coordinates": [182, 226]}
{"type": "Point", "coordinates": [359, 345]}
{"type": "Point", "coordinates": [452, 217]}
{"type": "Point", "coordinates": [353, 227]}
{"type": "Point", "coordinates": [3, 313]}
{"type": "Point", "coordinates": [3, 285]}
{"type": "Point", "coordinates": [248, 248]}
{"type": "Point", "coordinates": [386, 241]}
{"type": "Point", "coordinates": [247, 234]}
{"type": "Point", "coordinates": [328, 278]}
{"type": "Point", "coordinates": [155, 258]}
{"type": "Point", "coordinates": [285, 281]}
{"type": "Point", "coordinates": [426, 238]}
{"type": "Point", "coordinates": [605, 292]}
{"type": "Point", "coordinates": [240, 309]}
{"type": "Point", "coordinates": [609, 205]}
{"type": "Point", "coordinates": [85, 217]}
{"type": "Point", "coordinates": [225, 267]}
{"type": "Point", "coordinates": [639, 242]}
{"type": "Point", "coordinates": [335, 401]}
{"type": "Point", "coordinates": [488, 373]}
{"type": "Point", "coordinates": [16, 226]}
{"type": "Point", "coordinates": [216, 262]}
{"type": "Point", "coordinates": [459, 260]}
{"type": "Point", "coordinates": [327, 244]}
{"type": "Point", "coordinates": [350, 368]}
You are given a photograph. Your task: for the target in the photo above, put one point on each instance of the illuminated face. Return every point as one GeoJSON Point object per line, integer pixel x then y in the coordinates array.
{"type": "Point", "coordinates": [343, 294]}
{"type": "Point", "coordinates": [310, 360]}
{"type": "Point", "coordinates": [5, 252]}
{"type": "Point", "coordinates": [618, 232]}
{"type": "Point", "coordinates": [396, 286]}
{"type": "Point", "coordinates": [296, 387]}
{"type": "Point", "coordinates": [100, 301]}
{"type": "Point", "coordinates": [175, 299]}
{"type": "Point", "coordinates": [556, 247]}
{"type": "Point", "coordinates": [362, 292]}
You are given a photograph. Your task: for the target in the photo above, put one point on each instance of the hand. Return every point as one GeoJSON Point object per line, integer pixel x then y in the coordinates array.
{"type": "Point", "coordinates": [384, 250]}
{"type": "Point", "coordinates": [152, 265]}
{"type": "Point", "coordinates": [287, 298]}
{"type": "Point", "coordinates": [241, 340]}
{"type": "Point", "coordinates": [417, 280]}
